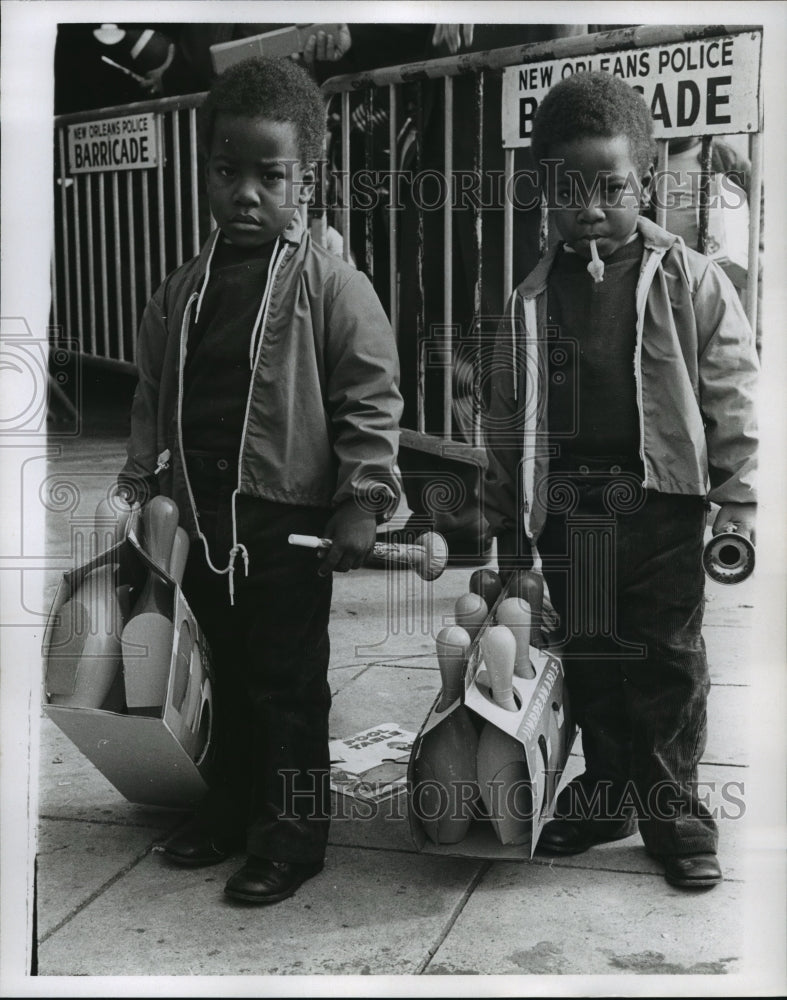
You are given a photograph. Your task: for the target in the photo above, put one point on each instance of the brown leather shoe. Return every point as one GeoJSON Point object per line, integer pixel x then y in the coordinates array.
{"type": "Point", "coordinates": [195, 847]}
{"type": "Point", "coordinates": [264, 881]}
{"type": "Point", "coordinates": [567, 836]}
{"type": "Point", "coordinates": [691, 871]}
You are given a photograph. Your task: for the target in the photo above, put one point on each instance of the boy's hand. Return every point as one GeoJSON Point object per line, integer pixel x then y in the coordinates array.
{"type": "Point", "coordinates": [742, 515]}
{"type": "Point", "coordinates": [352, 532]}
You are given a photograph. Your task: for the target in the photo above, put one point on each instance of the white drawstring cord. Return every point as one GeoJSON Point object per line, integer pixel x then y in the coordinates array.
{"type": "Point", "coordinates": [207, 274]}
{"type": "Point", "coordinates": [236, 548]}
{"type": "Point", "coordinates": [254, 352]}
{"type": "Point", "coordinates": [262, 313]}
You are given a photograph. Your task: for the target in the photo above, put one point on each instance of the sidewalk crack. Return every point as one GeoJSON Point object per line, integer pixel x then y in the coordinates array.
{"type": "Point", "coordinates": [455, 913]}
{"type": "Point", "coordinates": [94, 895]}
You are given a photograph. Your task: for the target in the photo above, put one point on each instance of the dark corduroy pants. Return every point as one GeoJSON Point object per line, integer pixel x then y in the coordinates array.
{"type": "Point", "coordinates": [270, 652]}
{"type": "Point", "coordinates": [624, 571]}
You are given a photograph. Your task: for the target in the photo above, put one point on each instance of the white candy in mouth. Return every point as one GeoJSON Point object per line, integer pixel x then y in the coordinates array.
{"type": "Point", "coordinates": [596, 266]}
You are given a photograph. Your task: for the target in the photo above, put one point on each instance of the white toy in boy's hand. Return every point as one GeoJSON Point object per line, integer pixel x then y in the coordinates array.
{"type": "Point", "coordinates": [596, 266]}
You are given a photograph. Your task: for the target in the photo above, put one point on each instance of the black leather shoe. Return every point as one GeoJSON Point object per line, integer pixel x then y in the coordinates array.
{"type": "Point", "coordinates": [195, 847]}
{"type": "Point", "coordinates": [691, 871]}
{"type": "Point", "coordinates": [567, 836]}
{"type": "Point", "coordinates": [264, 881]}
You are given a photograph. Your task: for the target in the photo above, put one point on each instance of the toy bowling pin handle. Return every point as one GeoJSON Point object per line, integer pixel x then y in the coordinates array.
{"type": "Point", "coordinates": [452, 646]}
{"type": "Point", "coordinates": [427, 557]}
{"type": "Point", "coordinates": [498, 646]}
{"type": "Point", "coordinates": [514, 613]}
{"type": "Point", "coordinates": [179, 555]}
{"type": "Point", "coordinates": [471, 612]}
{"type": "Point", "coordinates": [159, 526]}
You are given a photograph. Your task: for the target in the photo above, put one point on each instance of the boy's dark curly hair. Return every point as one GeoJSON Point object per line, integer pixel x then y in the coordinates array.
{"type": "Point", "coordinates": [594, 104]}
{"type": "Point", "coordinates": [276, 89]}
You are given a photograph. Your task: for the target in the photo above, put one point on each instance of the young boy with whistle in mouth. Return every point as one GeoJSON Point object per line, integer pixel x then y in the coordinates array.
{"type": "Point", "coordinates": [622, 403]}
{"type": "Point", "coordinates": [267, 405]}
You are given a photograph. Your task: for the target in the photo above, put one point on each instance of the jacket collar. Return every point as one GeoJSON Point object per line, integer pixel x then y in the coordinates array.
{"type": "Point", "coordinates": [653, 237]}
{"type": "Point", "coordinates": [293, 233]}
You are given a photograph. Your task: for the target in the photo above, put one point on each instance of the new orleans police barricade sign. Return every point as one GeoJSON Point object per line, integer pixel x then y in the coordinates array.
{"type": "Point", "coordinates": [707, 86]}
{"type": "Point", "coordinates": [126, 143]}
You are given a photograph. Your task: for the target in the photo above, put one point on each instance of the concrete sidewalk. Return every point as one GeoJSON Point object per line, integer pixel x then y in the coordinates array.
{"type": "Point", "coordinates": [108, 905]}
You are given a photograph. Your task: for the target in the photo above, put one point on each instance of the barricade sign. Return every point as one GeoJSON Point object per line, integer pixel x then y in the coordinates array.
{"type": "Point", "coordinates": [126, 143]}
{"type": "Point", "coordinates": [708, 86]}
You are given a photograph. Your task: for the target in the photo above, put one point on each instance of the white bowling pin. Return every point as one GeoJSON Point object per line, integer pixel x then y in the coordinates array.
{"type": "Point", "coordinates": [505, 785]}
{"type": "Point", "coordinates": [86, 643]}
{"type": "Point", "coordinates": [498, 648]}
{"type": "Point", "coordinates": [147, 637]}
{"type": "Point", "coordinates": [452, 644]}
{"type": "Point", "coordinates": [446, 783]}
{"type": "Point", "coordinates": [179, 555]}
{"type": "Point", "coordinates": [471, 611]}
{"type": "Point", "coordinates": [514, 613]}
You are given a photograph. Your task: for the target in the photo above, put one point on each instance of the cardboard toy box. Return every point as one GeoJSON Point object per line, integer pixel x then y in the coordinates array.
{"type": "Point", "coordinates": [544, 731]}
{"type": "Point", "coordinates": [154, 746]}
{"type": "Point", "coordinates": [277, 44]}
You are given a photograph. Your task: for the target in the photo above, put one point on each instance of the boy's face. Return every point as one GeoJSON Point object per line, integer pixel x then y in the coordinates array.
{"type": "Point", "coordinates": [596, 192]}
{"type": "Point", "coordinates": [254, 177]}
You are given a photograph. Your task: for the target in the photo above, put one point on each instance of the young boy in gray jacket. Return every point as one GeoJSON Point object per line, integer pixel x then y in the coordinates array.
{"type": "Point", "coordinates": [267, 404]}
{"type": "Point", "coordinates": [622, 403]}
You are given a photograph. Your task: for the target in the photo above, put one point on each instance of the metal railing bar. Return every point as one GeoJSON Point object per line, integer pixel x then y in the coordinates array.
{"type": "Point", "coordinates": [132, 263]}
{"type": "Point", "coordinates": [706, 153]}
{"type": "Point", "coordinates": [345, 175]}
{"type": "Point", "coordinates": [178, 191]}
{"type": "Point", "coordinates": [368, 242]}
{"type": "Point", "coordinates": [64, 230]}
{"type": "Point", "coordinates": [159, 105]}
{"type": "Point", "coordinates": [195, 235]}
{"type": "Point", "coordinates": [162, 245]}
{"type": "Point", "coordinates": [508, 225]}
{"type": "Point", "coordinates": [662, 165]}
{"type": "Point", "coordinates": [393, 232]}
{"type": "Point", "coordinates": [478, 167]}
{"type": "Point", "coordinates": [102, 226]}
{"type": "Point", "coordinates": [91, 262]}
{"type": "Point", "coordinates": [118, 265]}
{"type": "Point", "coordinates": [146, 248]}
{"type": "Point", "coordinates": [78, 265]}
{"type": "Point", "coordinates": [448, 243]}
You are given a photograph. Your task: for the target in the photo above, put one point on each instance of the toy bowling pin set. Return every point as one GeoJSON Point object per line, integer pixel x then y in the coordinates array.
{"type": "Point", "coordinates": [127, 669]}
{"type": "Point", "coordinates": [485, 767]}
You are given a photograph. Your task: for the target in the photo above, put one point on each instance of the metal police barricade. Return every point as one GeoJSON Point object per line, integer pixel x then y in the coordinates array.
{"type": "Point", "coordinates": [129, 207]}
{"type": "Point", "coordinates": [130, 203]}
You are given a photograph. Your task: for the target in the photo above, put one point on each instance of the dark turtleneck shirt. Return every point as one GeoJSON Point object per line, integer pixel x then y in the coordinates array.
{"type": "Point", "coordinates": [592, 396]}
{"type": "Point", "coordinates": [217, 374]}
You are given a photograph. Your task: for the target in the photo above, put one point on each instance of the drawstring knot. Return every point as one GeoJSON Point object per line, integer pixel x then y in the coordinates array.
{"type": "Point", "coordinates": [236, 548]}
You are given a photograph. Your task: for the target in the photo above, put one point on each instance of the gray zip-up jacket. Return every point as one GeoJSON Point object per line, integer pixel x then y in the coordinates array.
{"type": "Point", "coordinates": [695, 365]}
{"type": "Point", "coordinates": [322, 415]}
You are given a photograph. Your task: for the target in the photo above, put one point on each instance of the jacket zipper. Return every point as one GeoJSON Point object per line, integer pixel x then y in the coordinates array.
{"type": "Point", "coordinates": [184, 327]}
{"type": "Point", "coordinates": [275, 264]}
{"type": "Point", "coordinates": [643, 287]}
